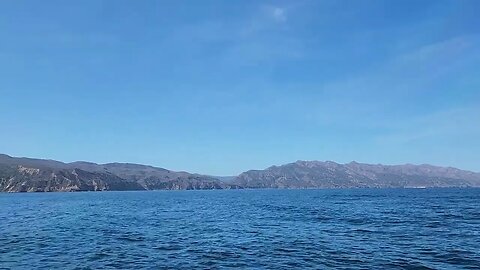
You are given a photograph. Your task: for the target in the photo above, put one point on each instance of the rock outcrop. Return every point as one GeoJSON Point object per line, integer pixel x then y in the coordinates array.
{"type": "Point", "coordinates": [317, 174]}
{"type": "Point", "coordinates": [37, 175]}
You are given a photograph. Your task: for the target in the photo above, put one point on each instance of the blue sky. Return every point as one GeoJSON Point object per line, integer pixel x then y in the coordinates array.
{"type": "Point", "coordinates": [219, 87]}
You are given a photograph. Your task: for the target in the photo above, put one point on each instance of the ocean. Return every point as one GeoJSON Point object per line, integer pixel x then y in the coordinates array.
{"type": "Point", "coordinates": [251, 229]}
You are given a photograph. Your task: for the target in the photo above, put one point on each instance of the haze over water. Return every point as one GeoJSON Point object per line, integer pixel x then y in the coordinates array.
{"type": "Point", "coordinates": [257, 229]}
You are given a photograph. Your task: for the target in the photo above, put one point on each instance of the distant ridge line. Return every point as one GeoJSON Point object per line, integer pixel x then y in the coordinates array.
{"type": "Point", "coordinates": [22, 174]}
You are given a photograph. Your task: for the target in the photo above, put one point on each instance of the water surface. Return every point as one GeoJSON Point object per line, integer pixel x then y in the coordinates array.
{"type": "Point", "coordinates": [256, 229]}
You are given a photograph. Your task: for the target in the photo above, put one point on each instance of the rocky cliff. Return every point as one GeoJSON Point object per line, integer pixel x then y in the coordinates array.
{"type": "Point", "coordinates": [317, 174]}
{"type": "Point", "coordinates": [37, 175]}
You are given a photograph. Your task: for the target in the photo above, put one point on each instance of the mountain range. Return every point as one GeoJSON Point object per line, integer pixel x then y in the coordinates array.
{"type": "Point", "coordinates": [41, 175]}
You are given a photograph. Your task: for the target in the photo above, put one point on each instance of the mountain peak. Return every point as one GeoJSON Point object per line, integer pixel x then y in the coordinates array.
{"type": "Point", "coordinates": [329, 174]}
{"type": "Point", "coordinates": [27, 174]}
{"type": "Point", "coordinates": [23, 174]}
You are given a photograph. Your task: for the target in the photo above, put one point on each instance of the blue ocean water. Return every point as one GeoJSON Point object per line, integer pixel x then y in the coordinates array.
{"type": "Point", "coordinates": [256, 229]}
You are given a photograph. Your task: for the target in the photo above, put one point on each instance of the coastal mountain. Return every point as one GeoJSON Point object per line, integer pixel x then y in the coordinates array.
{"type": "Point", "coordinates": [39, 175]}
{"type": "Point", "coordinates": [317, 174]}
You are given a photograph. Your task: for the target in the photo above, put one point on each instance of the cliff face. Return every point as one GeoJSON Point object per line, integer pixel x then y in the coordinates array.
{"type": "Point", "coordinates": [26, 179]}
{"type": "Point", "coordinates": [316, 174]}
{"type": "Point", "coordinates": [36, 175]}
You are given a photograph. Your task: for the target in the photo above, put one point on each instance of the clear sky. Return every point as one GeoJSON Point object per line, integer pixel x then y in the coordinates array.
{"type": "Point", "coordinates": [219, 87]}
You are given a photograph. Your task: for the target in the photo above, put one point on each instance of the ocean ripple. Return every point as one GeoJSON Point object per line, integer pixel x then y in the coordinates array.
{"type": "Point", "coordinates": [254, 229]}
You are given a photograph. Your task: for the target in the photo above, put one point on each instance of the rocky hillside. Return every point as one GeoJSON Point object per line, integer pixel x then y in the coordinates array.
{"type": "Point", "coordinates": [38, 175]}
{"type": "Point", "coordinates": [317, 174]}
